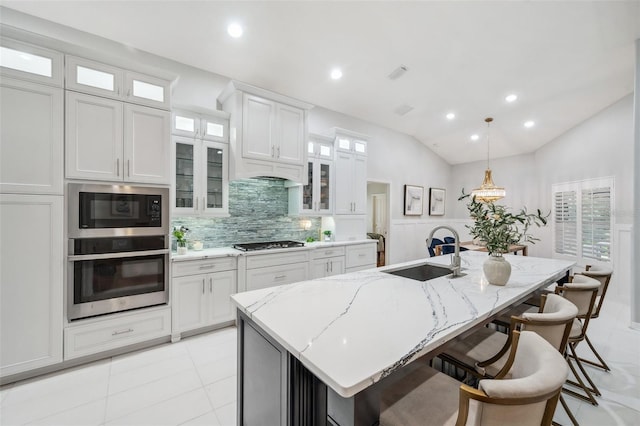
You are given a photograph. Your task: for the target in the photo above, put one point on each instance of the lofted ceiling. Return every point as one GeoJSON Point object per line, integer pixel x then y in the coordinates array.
{"type": "Point", "coordinates": [565, 60]}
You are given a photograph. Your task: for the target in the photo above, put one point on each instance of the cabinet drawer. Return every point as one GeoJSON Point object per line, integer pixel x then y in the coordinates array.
{"type": "Point", "coordinates": [321, 253]}
{"type": "Point", "coordinates": [276, 275]}
{"type": "Point", "coordinates": [203, 266]}
{"type": "Point", "coordinates": [107, 334]}
{"type": "Point", "coordinates": [361, 255]}
{"type": "Point", "coordinates": [262, 260]}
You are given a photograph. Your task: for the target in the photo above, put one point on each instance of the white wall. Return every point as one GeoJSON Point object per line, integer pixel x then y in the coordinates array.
{"type": "Point", "coordinates": [635, 237]}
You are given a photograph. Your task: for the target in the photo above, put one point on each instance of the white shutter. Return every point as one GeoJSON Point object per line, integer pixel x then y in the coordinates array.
{"type": "Point", "coordinates": [566, 223]}
{"type": "Point", "coordinates": [596, 223]}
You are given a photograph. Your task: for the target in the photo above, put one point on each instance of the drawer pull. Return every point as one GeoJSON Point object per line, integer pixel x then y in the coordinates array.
{"type": "Point", "coordinates": [207, 266]}
{"type": "Point", "coordinates": [362, 254]}
{"type": "Point", "coordinates": [279, 277]}
{"type": "Point", "coordinates": [128, 330]}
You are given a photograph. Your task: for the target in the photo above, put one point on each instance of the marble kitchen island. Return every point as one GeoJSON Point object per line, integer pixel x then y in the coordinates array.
{"type": "Point", "coordinates": [324, 348]}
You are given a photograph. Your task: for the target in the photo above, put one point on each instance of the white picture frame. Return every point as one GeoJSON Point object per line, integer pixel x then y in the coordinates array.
{"type": "Point", "coordinates": [437, 198]}
{"type": "Point", "coordinates": [413, 203]}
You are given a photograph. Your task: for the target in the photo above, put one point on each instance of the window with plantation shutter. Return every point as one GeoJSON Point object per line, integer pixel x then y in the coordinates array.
{"type": "Point", "coordinates": [596, 223]}
{"type": "Point", "coordinates": [582, 220]}
{"type": "Point", "coordinates": [566, 223]}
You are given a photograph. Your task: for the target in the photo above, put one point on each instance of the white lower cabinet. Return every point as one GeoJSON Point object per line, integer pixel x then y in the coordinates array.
{"type": "Point", "coordinates": [271, 269]}
{"type": "Point", "coordinates": [327, 261]}
{"type": "Point", "coordinates": [361, 256]}
{"type": "Point", "coordinates": [100, 334]}
{"type": "Point", "coordinates": [31, 278]}
{"type": "Point", "coordinates": [201, 299]}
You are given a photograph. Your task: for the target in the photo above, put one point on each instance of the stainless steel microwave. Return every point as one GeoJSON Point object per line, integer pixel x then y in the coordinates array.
{"type": "Point", "coordinates": [97, 210]}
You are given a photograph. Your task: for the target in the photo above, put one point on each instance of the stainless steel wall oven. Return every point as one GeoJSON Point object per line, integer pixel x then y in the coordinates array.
{"type": "Point", "coordinates": [118, 248]}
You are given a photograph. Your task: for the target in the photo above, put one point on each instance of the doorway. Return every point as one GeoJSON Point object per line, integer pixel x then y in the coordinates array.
{"type": "Point", "coordinates": [378, 220]}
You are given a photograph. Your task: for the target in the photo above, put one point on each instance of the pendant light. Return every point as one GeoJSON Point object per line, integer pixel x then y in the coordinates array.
{"type": "Point", "coordinates": [488, 191]}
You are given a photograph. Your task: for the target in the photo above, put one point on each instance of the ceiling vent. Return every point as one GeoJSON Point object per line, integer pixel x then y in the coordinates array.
{"type": "Point", "coordinates": [398, 72]}
{"type": "Point", "coordinates": [403, 109]}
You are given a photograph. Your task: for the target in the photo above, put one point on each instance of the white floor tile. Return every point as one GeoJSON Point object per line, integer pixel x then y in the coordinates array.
{"type": "Point", "coordinates": [222, 392]}
{"type": "Point", "coordinates": [174, 411]}
{"type": "Point", "coordinates": [607, 414]}
{"type": "Point", "coordinates": [91, 414]}
{"type": "Point", "coordinates": [129, 401]}
{"type": "Point", "coordinates": [149, 373]}
{"type": "Point", "coordinates": [208, 419]}
{"type": "Point", "coordinates": [217, 370]}
{"type": "Point", "coordinates": [142, 358]}
{"type": "Point", "coordinates": [227, 414]}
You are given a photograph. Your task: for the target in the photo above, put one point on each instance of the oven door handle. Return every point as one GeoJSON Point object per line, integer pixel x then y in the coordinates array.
{"type": "Point", "coordinates": [74, 258]}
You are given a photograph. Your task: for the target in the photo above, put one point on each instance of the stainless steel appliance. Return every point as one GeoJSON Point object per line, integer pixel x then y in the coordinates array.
{"type": "Point", "coordinates": [268, 245]}
{"type": "Point", "coordinates": [117, 210]}
{"type": "Point", "coordinates": [118, 256]}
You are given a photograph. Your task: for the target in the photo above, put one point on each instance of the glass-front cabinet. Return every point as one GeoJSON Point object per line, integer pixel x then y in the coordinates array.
{"type": "Point", "coordinates": [317, 194]}
{"type": "Point", "coordinates": [201, 176]}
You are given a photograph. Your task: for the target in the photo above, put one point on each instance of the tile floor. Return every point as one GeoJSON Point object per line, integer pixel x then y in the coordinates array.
{"type": "Point", "coordinates": [193, 382]}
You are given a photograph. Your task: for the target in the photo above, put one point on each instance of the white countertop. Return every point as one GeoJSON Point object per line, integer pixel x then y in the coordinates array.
{"type": "Point", "coordinates": [352, 330]}
{"type": "Point", "coordinates": [228, 251]}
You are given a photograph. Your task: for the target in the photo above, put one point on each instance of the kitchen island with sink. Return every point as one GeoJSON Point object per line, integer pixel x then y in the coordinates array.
{"type": "Point", "coordinates": [322, 349]}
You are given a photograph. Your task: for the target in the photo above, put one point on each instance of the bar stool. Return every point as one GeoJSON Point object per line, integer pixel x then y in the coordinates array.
{"type": "Point", "coordinates": [525, 392]}
{"type": "Point", "coordinates": [604, 276]}
{"type": "Point", "coordinates": [582, 292]}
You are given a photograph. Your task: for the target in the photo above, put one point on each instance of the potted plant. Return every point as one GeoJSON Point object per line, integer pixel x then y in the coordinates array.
{"type": "Point", "coordinates": [327, 235]}
{"type": "Point", "coordinates": [497, 228]}
{"type": "Point", "coordinates": [181, 242]}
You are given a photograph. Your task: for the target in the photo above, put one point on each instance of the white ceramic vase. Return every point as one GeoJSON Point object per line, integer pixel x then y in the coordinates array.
{"type": "Point", "coordinates": [497, 270]}
{"type": "Point", "coordinates": [182, 250]}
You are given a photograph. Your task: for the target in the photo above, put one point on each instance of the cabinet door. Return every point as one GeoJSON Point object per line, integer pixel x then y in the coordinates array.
{"type": "Point", "coordinates": [344, 183]}
{"type": "Point", "coordinates": [336, 265]}
{"type": "Point", "coordinates": [190, 308]}
{"type": "Point", "coordinates": [319, 268]}
{"type": "Point", "coordinates": [146, 90]}
{"type": "Point", "coordinates": [147, 146]}
{"type": "Point", "coordinates": [222, 286]}
{"type": "Point", "coordinates": [31, 278]}
{"type": "Point", "coordinates": [93, 137]}
{"type": "Point", "coordinates": [324, 186]}
{"type": "Point", "coordinates": [215, 197]}
{"type": "Point", "coordinates": [290, 134]}
{"type": "Point", "coordinates": [214, 129]}
{"type": "Point", "coordinates": [276, 275]}
{"type": "Point", "coordinates": [257, 127]}
{"type": "Point", "coordinates": [184, 171]}
{"type": "Point", "coordinates": [359, 184]}
{"type": "Point", "coordinates": [31, 137]}
{"type": "Point", "coordinates": [184, 123]}
{"type": "Point", "coordinates": [308, 191]}
{"type": "Point", "coordinates": [93, 77]}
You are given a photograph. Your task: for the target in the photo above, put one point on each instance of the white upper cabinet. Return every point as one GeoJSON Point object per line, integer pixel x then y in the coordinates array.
{"type": "Point", "coordinates": [110, 140]}
{"type": "Point", "coordinates": [268, 133]}
{"type": "Point", "coordinates": [31, 137]}
{"type": "Point", "coordinates": [33, 63]}
{"type": "Point", "coordinates": [316, 196]}
{"type": "Point", "coordinates": [200, 163]}
{"type": "Point", "coordinates": [87, 76]}
{"type": "Point", "coordinates": [351, 173]}
{"type": "Point", "coordinates": [212, 126]}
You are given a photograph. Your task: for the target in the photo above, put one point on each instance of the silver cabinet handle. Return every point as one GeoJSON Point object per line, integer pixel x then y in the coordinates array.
{"type": "Point", "coordinates": [128, 93]}
{"type": "Point", "coordinates": [326, 269]}
{"type": "Point", "coordinates": [210, 285]}
{"type": "Point", "coordinates": [273, 151]}
{"type": "Point", "coordinates": [278, 152]}
{"type": "Point", "coordinates": [362, 255]}
{"type": "Point", "coordinates": [204, 203]}
{"type": "Point", "coordinates": [117, 167]}
{"type": "Point", "coordinates": [331, 266]}
{"type": "Point", "coordinates": [207, 266]}
{"type": "Point", "coordinates": [129, 168]}
{"type": "Point", "coordinates": [279, 277]}
{"type": "Point", "coordinates": [197, 203]}
{"type": "Point", "coordinates": [128, 330]}
{"type": "Point", "coordinates": [203, 286]}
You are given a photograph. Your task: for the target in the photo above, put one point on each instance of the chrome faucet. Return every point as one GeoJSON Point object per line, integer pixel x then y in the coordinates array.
{"type": "Point", "coordinates": [455, 262]}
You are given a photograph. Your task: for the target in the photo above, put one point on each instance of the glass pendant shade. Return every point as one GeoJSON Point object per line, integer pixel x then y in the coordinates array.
{"type": "Point", "coordinates": [488, 191]}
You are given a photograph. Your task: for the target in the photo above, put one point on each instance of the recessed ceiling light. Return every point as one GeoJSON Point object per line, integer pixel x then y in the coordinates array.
{"type": "Point", "coordinates": [235, 30]}
{"type": "Point", "coordinates": [475, 137]}
{"type": "Point", "coordinates": [451, 116]}
{"type": "Point", "coordinates": [529, 124]}
{"type": "Point", "coordinates": [336, 74]}
{"type": "Point", "coordinates": [511, 98]}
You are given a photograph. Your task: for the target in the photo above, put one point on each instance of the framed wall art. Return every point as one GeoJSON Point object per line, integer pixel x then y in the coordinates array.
{"type": "Point", "coordinates": [436, 201]}
{"type": "Point", "coordinates": [413, 200]}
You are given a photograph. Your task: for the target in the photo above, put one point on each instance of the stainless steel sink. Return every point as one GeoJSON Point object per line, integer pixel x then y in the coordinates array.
{"type": "Point", "coordinates": [422, 272]}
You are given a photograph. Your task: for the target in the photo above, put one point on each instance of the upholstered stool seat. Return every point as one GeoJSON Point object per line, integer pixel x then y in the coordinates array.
{"type": "Point", "coordinates": [426, 397]}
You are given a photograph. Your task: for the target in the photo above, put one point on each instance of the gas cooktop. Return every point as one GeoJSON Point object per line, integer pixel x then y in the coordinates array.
{"type": "Point", "coordinates": [268, 245]}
